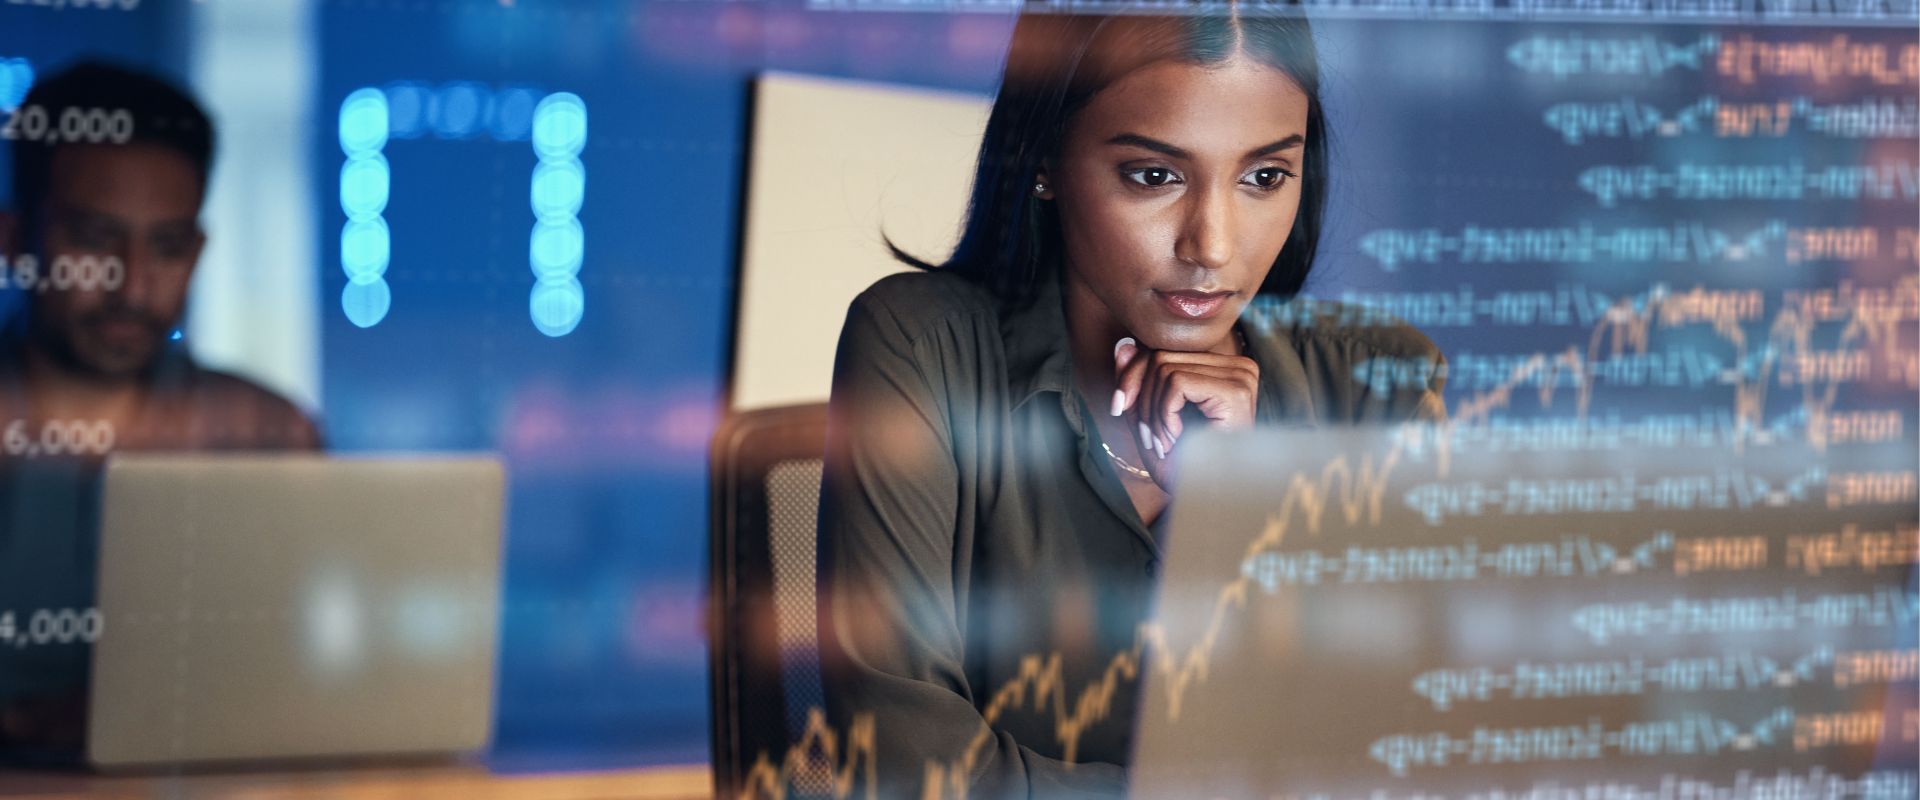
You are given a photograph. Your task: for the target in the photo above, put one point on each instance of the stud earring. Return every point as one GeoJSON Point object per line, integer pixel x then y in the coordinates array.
{"type": "Point", "coordinates": [1039, 189]}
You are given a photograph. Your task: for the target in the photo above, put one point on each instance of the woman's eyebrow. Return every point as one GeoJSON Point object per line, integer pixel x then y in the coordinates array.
{"type": "Point", "coordinates": [1155, 145]}
{"type": "Point", "coordinates": [1173, 151]}
{"type": "Point", "coordinates": [1291, 141]}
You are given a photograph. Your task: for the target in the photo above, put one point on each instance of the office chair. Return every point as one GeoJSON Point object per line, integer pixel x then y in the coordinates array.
{"type": "Point", "coordinates": [762, 629]}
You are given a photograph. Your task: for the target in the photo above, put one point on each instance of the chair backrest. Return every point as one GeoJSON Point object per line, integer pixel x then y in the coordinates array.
{"type": "Point", "coordinates": [762, 627]}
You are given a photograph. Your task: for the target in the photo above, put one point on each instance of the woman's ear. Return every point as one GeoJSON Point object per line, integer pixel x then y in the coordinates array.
{"type": "Point", "coordinates": [1043, 187]}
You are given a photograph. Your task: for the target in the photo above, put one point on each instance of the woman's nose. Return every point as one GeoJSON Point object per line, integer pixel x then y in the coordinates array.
{"type": "Point", "coordinates": [1206, 235]}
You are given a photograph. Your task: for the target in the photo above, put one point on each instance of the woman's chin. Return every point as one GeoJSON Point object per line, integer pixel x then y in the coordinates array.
{"type": "Point", "coordinates": [1188, 337]}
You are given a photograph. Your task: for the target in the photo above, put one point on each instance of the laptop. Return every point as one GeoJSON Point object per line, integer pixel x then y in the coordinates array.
{"type": "Point", "coordinates": [276, 607]}
{"type": "Point", "coordinates": [1397, 613]}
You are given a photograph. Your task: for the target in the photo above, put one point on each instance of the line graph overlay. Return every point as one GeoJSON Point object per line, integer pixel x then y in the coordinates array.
{"type": "Point", "coordinates": [1356, 489]}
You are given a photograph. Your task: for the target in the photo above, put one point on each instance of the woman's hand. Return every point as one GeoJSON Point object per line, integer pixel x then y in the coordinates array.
{"type": "Point", "coordinates": [1155, 385]}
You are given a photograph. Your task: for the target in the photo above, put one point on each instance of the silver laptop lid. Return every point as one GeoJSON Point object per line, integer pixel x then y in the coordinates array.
{"type": "Point", "coordinates": [265, 607]}
{"type": "Point", "coordinates": [1348, 615]}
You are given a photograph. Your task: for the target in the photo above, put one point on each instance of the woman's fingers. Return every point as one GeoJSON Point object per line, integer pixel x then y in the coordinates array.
{"type": "Point", "coordinates": [1223, 396]}
{"type": "Point", "coordinates": [1156, 384]}
{"type": "Point", "coordinates": [1131, 362]}
{"type": "Point", "coordinates": [1124, 353]}
{"type": "Point", "coordinates": [1224, 393]}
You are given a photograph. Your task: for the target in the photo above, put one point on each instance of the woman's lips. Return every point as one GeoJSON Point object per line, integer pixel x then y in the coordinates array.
{"type": "Point", "coordinates": [1193, 305]}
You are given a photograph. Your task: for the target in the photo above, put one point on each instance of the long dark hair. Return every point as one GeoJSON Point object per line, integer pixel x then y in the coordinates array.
{"type": "Point", "coordinates": [1055, 65]}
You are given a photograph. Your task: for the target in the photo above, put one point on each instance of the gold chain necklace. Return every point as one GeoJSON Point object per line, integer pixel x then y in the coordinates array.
{"type": "Point", "coordinates": [1122, 463]}
{"type": "Point", "coordinates": [1133, 470]}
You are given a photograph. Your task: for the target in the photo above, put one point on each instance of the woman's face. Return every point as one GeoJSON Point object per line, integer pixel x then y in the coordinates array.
{"type": "Point", "coordinates": [1176, 187]}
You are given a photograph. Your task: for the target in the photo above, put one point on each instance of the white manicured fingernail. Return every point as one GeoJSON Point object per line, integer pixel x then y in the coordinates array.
{"type": "Point", "coordinates": [1124, 341]}
{"type": "Point", "coordinates": [1146, 438]}
{"type": "Point", "coordinates": [1159, 448]}
{"type": "Point", "coordinates": [1119, 402]}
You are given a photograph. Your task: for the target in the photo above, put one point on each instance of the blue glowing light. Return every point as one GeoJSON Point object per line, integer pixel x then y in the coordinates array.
{"type": "Point", "coordinates": [364, 183]}
{"type": "Point", "coordinates": [366, 303]}
{"type": "Point", "coordinates": [556, 247]}
{"type": "Point", "coordinates": [366, 246]}
{"type": "Point", "coordinates": [559, 187]}
{"type": "Point", "coordinates": [16, 77]}
{"type": "Point", "coordinates": [557, 305]}
{"type": "Point", "coordinates": [559, 126]}
{"type": "Point", "coordinates": [513, 114]}
{"type": "Point", "coordinates": [363, 122]}
{"type": "Point", "coordinates": [459, 110]}
{"type": "Point", "coordinates": [406, 110]}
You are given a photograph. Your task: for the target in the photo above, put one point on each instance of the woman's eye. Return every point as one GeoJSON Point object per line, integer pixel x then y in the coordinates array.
{"type": "Point", "coordinates": [1270, 177]}
{"type": "Point", "coordinates": [1152, 176]}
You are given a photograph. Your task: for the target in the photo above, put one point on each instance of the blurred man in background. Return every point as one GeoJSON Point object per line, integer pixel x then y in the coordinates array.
{"type": "Point", "coordinates": [110, 168]}
{"type": "Point", "coordinates": [109, 229]}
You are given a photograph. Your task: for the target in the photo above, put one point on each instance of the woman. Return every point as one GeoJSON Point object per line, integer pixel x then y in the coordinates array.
{"type": "Point", "coordinates": [1006, 425]}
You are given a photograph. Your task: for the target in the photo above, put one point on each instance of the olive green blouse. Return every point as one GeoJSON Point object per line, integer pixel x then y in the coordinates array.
{"type": "Point", "coordinates": [970, 521]}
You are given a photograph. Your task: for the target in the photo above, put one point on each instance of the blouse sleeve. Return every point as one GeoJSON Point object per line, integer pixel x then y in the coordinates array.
{"type": "Point", "coordinates": [895, 539]}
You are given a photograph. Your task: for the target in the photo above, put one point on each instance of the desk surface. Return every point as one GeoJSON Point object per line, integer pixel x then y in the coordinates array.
{"type": "Point", "coordinates": [425, 783]}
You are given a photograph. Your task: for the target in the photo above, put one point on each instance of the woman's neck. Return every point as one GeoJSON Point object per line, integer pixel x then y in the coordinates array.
{"type": "Point", "coordinates": [1091, 332]}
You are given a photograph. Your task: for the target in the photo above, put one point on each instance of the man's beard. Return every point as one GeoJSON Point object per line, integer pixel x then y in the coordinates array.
{"type": "Point", "coordinates": [107, 361]}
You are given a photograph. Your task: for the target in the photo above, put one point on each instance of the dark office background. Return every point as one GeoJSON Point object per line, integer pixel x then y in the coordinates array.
{"type": "Point", "coordinates": [605, 428]}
